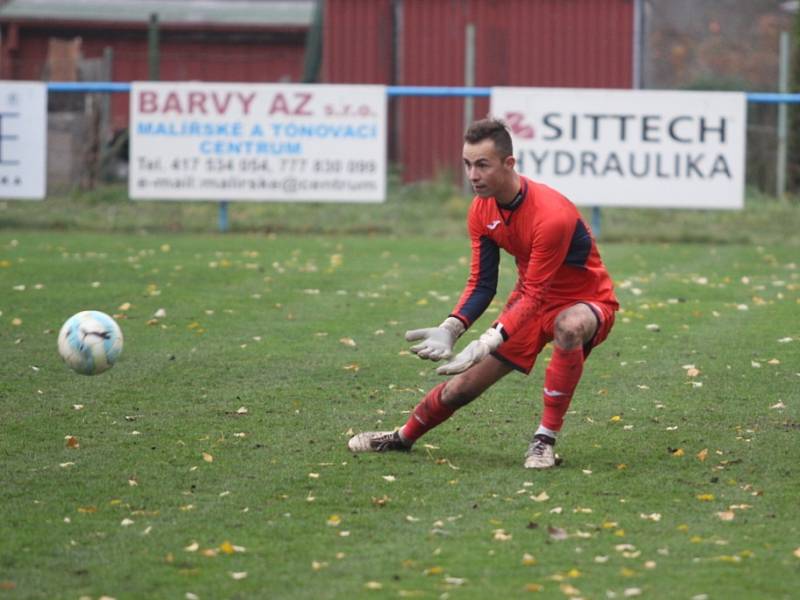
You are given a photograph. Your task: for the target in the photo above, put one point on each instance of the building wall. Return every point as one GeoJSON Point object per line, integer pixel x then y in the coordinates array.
{"type": "Point", "coordinates": [212, 55]}
{"type": "Point", "coordinates": [357, 42]}
{"type": "Point", "coordinates": [570, 43]}
{"type": "Point", "coordinates": [567, 43]}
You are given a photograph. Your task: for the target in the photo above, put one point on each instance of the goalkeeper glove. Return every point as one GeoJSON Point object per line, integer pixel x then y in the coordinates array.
{"type": "Point", "coordinates": [437, 342]}
{"type": "Point", "coordinates": [475, 352]}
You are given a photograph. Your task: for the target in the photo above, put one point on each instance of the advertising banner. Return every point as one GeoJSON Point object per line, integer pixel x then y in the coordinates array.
{"type": "Point", "coordinates": [638, 148]}
{"type": "Point", "coordinates": [258, 142]}
{"type": "Point", "coordinates": [23, 140]}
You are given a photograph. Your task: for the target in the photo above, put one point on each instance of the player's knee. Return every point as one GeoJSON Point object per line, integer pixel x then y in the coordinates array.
{"type": "Point", "coordinates": [569, 331]}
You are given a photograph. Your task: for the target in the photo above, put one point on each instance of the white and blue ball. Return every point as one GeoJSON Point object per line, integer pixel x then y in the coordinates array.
{"type": "Point", "coordinates": [90, 342]}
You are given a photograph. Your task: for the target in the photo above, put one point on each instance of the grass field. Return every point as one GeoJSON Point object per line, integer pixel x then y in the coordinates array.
{"type": "Point", "coordinates": [212, 460]}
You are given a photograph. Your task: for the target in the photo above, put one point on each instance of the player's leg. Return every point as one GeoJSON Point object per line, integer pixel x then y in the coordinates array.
{"type": "Point", "coordinates": [437, 406]}
{"type": "Point", "coordinates": [573, 331]}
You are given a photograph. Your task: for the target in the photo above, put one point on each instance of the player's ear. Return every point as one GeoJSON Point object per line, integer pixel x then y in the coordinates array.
{"type": "Point", "coordinates": [509, 161]}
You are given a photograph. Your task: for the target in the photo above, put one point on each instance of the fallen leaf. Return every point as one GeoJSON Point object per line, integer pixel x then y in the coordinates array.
{"type": "Point", "coordinates": [347, 341]}
{"type": "Point", "coordinates": [72, 441]}
{"type": "Point", "coordinates": [238, 575]}
{"type": "Point", "coordinates": [533, 587]}
{"type": "Point", "coordinates": [542, 497]}
{"type": "Point", "coordinates": [207, 457]}
{"type": "Point", "coordinates": [528, 560]}
{"type": "Point", "coordinates": [727, 515]}
{"type": "Point", "coordinates": [702, 455]}
{"type": "Point", "coordinates": [501, 535]}
{"type": "Point", "coordinates": [656, 517]}
{"type": "Point", "coordinates": [389, 478]}
{"type": "Point", "coordinates": [334, 520]}
{"type": "Point", "coordinates": [227, 548]}
{"type": "Point", "coordinates": [557, 533]}
{"type": "Point", "coordinates": [241, 410]}
{"type": "Point", "coordinates": [192, 547]}
{"type": "Point", "coordinates": [705, 497]}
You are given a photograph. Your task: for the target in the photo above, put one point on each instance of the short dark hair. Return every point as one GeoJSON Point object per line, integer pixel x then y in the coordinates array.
{"type": "Point", "coordinates": [493, 129]}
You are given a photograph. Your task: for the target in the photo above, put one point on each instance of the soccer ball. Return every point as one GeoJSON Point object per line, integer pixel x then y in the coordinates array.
{"type": "Point", "coordinates": [90, 342]}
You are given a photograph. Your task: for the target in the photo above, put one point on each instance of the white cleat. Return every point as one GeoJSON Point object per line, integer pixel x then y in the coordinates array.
{"type": "Point", "coordinates": [540, 455]}
{"type": "Point", "coordinates": [376, 441]}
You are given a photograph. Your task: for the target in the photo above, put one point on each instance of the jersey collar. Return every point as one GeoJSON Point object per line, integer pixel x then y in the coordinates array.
{"type": "Point", "coordinates": [517, 201]}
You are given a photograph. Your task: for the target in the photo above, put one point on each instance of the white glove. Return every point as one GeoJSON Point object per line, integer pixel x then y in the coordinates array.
{"type": "Point", "coordinates": [475, 352]}
{"type": "Point", "coordinates": [437, 342]}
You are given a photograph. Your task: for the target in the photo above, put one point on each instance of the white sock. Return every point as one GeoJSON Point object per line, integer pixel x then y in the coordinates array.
{"type": "Point", "coordinates": [542, 430]}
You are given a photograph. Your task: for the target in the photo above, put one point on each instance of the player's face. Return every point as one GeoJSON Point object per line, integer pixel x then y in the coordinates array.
{"type": "Point", "coordinates": [487, 172]}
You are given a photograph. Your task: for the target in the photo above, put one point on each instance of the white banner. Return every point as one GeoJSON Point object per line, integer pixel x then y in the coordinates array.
{"type": "Point", "coordinates": [23, 139]}
{"type": "Point", "coordinates": [284, 142]}
{"type": "Point", "coordinates": [638, 148]}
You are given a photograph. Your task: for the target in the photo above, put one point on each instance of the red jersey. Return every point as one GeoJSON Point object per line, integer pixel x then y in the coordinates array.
{"type": "Point", "coordinates": [556, 256]}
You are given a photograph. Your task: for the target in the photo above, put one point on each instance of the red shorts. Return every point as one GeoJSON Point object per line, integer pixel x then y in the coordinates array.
{"type": "Point", "coordinates": [520, 351]}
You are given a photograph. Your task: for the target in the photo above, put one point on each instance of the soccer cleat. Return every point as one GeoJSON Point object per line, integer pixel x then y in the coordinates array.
{"type": "Point", "coordinates": [376, 441]}
{"type": "Point", "coordinates": [540, 454]}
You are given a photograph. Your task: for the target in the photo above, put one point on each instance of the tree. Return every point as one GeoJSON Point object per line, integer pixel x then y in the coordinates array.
{"type": "Point", "coordinates": [793, 177]}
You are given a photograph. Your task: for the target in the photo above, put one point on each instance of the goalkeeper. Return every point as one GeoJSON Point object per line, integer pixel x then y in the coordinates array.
{"type": "Point", "coordinates": [563, 294]}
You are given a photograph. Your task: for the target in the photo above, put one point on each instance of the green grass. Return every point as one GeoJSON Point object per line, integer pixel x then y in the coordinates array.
{"type": "Point", "coordinates": [255, 320]}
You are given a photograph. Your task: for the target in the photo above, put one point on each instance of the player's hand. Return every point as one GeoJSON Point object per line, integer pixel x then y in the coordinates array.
{"type": "Point", "coordinates": [437, 342]}
{"type": "Point", "coordinates": [475, 352]}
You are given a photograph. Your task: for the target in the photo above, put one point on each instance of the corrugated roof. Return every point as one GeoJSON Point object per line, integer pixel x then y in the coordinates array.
{"type": "Point", "coordinates": [286, 13]}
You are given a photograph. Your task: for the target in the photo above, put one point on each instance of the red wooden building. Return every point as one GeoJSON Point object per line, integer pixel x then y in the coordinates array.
{"type": "Point", "coordinates": [541, 43]}
{"type": "Point", "coordinates": [234, 40]}
{"type": "Point", "coordinates": [565, 43]}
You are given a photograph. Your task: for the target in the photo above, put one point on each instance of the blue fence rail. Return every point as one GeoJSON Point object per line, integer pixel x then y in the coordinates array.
{"type": "Point", "coordinates": [393, 92]}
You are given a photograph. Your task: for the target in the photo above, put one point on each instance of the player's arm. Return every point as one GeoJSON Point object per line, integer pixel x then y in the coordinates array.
{"type": "Point", "coordinates": [548, 254]}
{"type": "Point", "coordinates": [437, 342]}
{"type": "Point", "coordinates": [481, 285]}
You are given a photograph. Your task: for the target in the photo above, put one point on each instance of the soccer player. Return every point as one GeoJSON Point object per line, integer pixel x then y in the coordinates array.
{"type": "Point", "coordinates": [563, 294]}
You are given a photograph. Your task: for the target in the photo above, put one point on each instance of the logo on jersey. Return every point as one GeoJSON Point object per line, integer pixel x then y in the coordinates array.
{"type": "Point", "coordinates": [493, 225]}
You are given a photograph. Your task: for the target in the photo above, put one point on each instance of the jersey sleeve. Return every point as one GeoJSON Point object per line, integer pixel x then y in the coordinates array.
{"type": "Point", "coordinates": [551, 244]}
{"type": "Point", "coordinates": [481, 285]}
